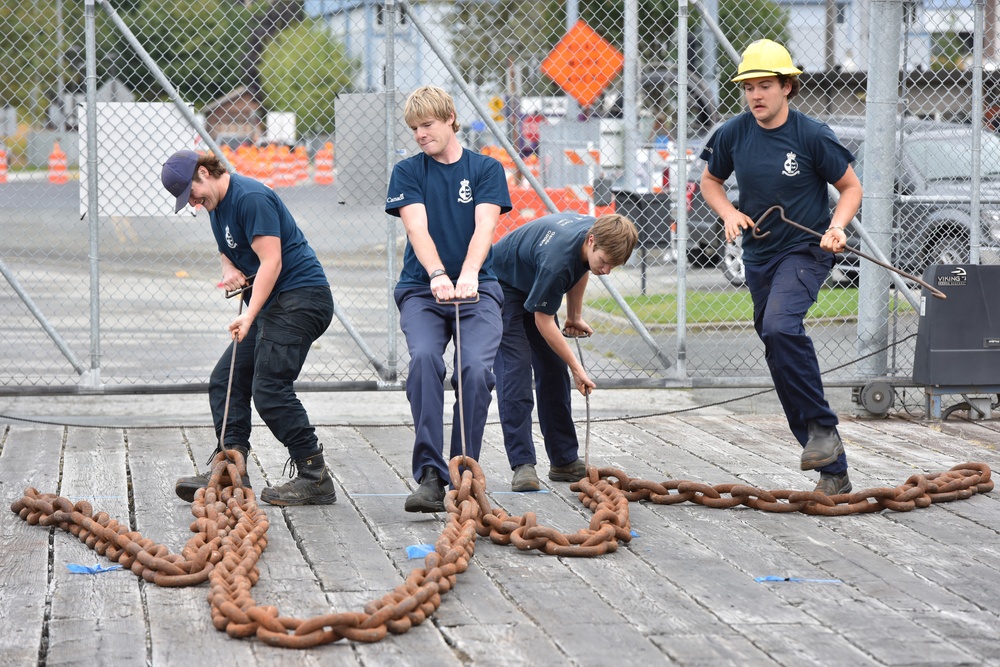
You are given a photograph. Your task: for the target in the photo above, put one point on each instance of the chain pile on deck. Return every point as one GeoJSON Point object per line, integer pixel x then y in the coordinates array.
{"type": "Point", "coordinates": [231, 534]}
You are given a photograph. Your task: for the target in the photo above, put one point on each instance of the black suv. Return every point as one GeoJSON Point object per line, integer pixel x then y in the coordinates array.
{"type": "Point", "coordinates": [930, 225]}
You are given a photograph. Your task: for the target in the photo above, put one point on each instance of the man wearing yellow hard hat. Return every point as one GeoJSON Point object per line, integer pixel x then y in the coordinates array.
{"type": "Point", "coordinates": [782, 157]}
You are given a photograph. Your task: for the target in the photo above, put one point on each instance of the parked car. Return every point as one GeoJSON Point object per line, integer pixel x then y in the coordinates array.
{"type": "Point", "coordinates": [930, 225]}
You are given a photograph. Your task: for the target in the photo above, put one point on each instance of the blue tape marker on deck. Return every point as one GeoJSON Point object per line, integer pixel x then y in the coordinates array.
{"type": "Point", "coordinates": [634, 533]}
{"type": "Point", "coordinates": [419, 550]}
{"type": "Point", "coordinates": [88, 569]}
{"type": "Point", "coordinates": [798, 580]}
{"type": "Point", "coordinates": [517, 493]}
{"type": "Point", "coordinates": [404, 495]}
{"type": "Point", "coordinates": [380, 495]}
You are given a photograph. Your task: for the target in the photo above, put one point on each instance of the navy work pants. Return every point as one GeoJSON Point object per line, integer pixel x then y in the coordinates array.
{"type": "Point", "coordinates": [428, 327]}
{"type": "Point", "coordinates": [267, 363]}
{"type": "Point", "coordinates": [523, 350]}
{"type": "Point", "coordinates": [783, 289]}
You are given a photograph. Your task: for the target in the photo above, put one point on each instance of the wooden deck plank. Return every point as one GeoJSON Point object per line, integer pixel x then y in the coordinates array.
{"type": "Point", "coordinates": [561, 509]}
{"type": "Point", "coordinates": [377, 477]}
{"type": "Point", "coordinates": [156, 459]}
{"type": "Point", "coordinates": [747, 543]}
{"type": "Point", "coordinates": [301, 541]}
{"type": "Point", "coordinates": [958, 442]}
{"type": "Point", "coordinates": [916, 588]}
{"type": "Point", "coordinates": [30, 457]}
{"type": "Point", "coordinates": [100, 615]}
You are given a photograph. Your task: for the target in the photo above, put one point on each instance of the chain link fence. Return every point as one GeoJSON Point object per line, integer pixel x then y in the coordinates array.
{"type": "Point", "coordinates": [590, 106]}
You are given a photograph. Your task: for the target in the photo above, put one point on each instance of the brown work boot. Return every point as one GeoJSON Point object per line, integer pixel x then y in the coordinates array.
{"type": "Point", "coordinates": [185, 487]}
{"type": "Point", "coordinates": [313, 485]}
{"type": "Point", "coordinates": [571, 472]}
{"type": "Point", "coordinates": [823, 447]}
{"type": "Point", "coordinates": [833, 485]}
{"type": "Point", "coordinates": [525, 478]}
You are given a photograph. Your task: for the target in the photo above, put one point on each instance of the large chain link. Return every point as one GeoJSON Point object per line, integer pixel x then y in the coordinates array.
{"type": "Point", "coordinates": [958, 483]}
{"type": "Point", "coordinates": [231, 533]}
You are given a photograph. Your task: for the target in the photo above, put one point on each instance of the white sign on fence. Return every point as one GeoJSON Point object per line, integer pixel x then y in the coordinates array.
{"type": "Point", "coordinates": [133, 142]}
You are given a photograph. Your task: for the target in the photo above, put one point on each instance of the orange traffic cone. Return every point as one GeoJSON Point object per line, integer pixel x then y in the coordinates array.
{"type": "Point", "coordinates": [324, 165]}
{"type": "Point", "coordinates": [57, 165]}
{"type": "Point", "coordinates": [3, 164]}
{"type": "Point", "coordinates": [301, 164]}
{"type": "Point", "coordinates": [284, 163]}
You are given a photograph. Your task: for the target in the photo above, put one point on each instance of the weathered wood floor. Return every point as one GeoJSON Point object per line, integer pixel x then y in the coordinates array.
{"type": "Point", "coordinates": [917, 588]}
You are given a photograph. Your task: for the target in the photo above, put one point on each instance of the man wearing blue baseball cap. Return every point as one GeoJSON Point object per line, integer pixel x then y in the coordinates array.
{"type": "Point", "coordinates": [288, 308]}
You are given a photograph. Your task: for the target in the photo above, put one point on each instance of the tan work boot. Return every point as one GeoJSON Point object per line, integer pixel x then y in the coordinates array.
{"type": "Point", "coordinates": [525, 478]}
{"type": "Point", "coordinates": [571, 472]}
{"type": "Point", "coordinates": [833, 485]}
{"type": "Point", "coordinates": [823, 447]}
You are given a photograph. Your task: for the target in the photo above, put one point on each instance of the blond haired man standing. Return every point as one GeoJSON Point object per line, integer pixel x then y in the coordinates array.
{"type": "Point", "coordinates": [450, 200]}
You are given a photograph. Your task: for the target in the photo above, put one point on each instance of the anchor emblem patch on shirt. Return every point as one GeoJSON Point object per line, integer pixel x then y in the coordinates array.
{"type": "Point", "coordinates": [791, 165]}
{"type": "Point", "coordinates": [465, 192]}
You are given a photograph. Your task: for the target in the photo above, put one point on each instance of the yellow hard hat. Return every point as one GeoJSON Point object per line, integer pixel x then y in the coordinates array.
{"type": "Point", "coordinates": [765, 58]}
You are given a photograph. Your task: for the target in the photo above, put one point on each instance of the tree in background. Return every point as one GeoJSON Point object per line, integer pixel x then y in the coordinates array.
{"type": "Point", "coordinates": [492, 38]}
{"type": "Point", "coordinates": [197, 44]}
{"type": "Point", "coordinates": [302, 70]}
{"type": "Point", "coordinates": [950, 50]}
{"type": "Point", "coordinates": [32, 56]}
{"type": "Point", "coordinates": [745, 21]}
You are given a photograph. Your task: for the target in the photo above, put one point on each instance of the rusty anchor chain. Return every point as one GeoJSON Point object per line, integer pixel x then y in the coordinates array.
{"type": "Point", "coordinates": [231, 534]}
{"type": "Point", "coordinates": [960, 482]}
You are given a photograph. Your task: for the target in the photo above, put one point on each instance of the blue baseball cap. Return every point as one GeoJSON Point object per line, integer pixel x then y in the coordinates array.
{"type": "Point", "coordinates": [176, 176]}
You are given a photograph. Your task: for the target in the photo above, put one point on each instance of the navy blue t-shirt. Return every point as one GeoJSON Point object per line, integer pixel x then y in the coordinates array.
{"type": "Point", "coordinates": [450, 193]}
{"type": "Point", "coordinates": [788, 166]}
{"type": "Point", "coordinates": [540, 261]}
{"type": "Point", "coordinates": [250, 208]}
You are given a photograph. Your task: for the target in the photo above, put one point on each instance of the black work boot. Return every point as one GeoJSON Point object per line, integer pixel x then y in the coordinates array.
{"type": "Point", "coordinates": [312, 486]}
{"type": "Point", "coordinates": [831, 484]}
{"type": "Point", "coordinates": [185, 487]}
{"type": "Point", "coordinates": [429, 496]}
{"type": "Point", "coordinates": [823, 447]}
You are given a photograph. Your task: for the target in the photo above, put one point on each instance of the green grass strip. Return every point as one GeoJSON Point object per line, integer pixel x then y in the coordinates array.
{"type": "Point", "coordinates": [728, 306]}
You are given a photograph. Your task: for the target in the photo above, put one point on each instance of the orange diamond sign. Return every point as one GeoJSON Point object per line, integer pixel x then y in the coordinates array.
{"type": "Point", "coordinates": [583, 63]}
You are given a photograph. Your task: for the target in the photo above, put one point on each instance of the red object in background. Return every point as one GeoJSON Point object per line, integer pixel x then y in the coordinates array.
{"type": "Point", "coordinates": [531, 133]}
{"type": "Point", "coordinates": [528, 206]}
{"type": "Point", "coordinates": [692, 187]}
{"type": "Point", "coordinates": [991, 118]}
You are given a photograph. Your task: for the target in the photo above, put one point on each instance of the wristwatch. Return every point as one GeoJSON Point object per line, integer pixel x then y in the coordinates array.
{"type": "Point", "coordinates": [438, 272]}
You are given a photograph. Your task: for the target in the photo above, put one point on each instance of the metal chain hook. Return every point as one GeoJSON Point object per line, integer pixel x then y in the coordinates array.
{"type": "Point", "coordinates": [232, 361]}
{"type": "Point", "coordinates": [759, 234]}
{"type": "Point", "coordinates": [579, 352]}
{"type": "Point", "coordinates": [458, 361]}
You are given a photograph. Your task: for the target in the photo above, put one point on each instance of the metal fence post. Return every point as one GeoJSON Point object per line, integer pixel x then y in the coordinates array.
{"type": "Point", "coordinates": [92, 379]}
{"type": "Point", "coordinates": [879, 171]}
{"type": "Point", "coordinates": [392, 354]}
